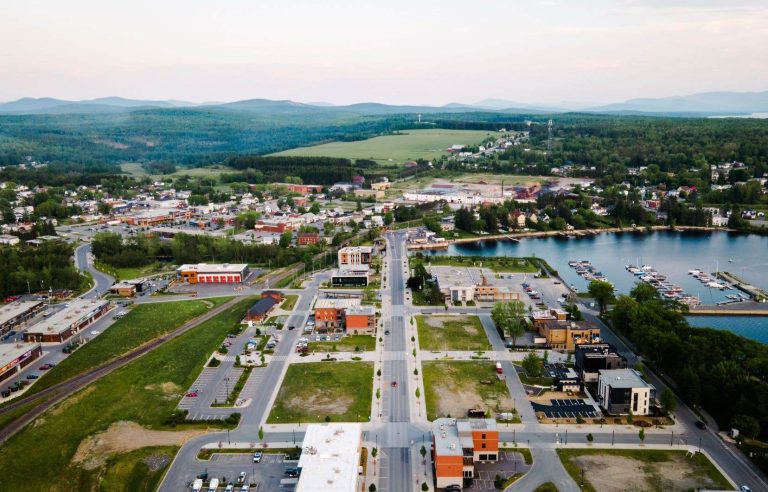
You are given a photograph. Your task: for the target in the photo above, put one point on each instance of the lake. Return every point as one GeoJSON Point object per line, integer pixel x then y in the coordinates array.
{"type": "Point", "coordinates": [754, 327]}
{"type": "Point", "coordinates": [671, 253]}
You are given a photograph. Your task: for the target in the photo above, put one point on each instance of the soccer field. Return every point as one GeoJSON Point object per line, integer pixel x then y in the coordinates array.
{"type": "Point", "coordinates": [395, 149]}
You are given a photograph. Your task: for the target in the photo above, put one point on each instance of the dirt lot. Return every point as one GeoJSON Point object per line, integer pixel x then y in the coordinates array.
{"type": "Point", "coordinates": [454, 387]}
{"type": "Point", "coordinates": [451, 333]}
{"type": "Point", "coordinates": [122, 437]}
{"type": "Point", "coordinates": [611, 473]}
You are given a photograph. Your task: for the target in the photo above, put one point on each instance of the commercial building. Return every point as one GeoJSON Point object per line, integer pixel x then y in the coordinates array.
{"type": "Point", "coordinates": [355, 255]}
{"type": "Point", "coordinates": [329, 313]}
{"type": "Point", "coordinates": [459, 444]}
{"type": "Point", "coordinates": [261, 309]}
{"type": "Point", "coordinates": [62, 325]}
{"type": "Point", "coordinates": [330, 458]}
{"type": "Point", "coordinates": [11, 315]}
{"type": "Point", "coordinates": [567, 334]}
{"type": "Point", "coordinates": [591, 358]}
{"type": "Point", "coordinates": [128, 288]}
{"type": "Point", "coordinates": [540, 317]}
{"type": "Point", "coordinates": [360, 320]}
{"type": "Point", "coordinates": [307, 238]}
{"type": "Point", "coordinates": [351, 276]}
{"type": "Point", "coordinates": [464, 284]}
{"type": "Point", "coordinates": [204, 273]}
{"type": "Point", "coordinates": [16, 356]}
{"type": "Point", "coordinates": [622, 390]}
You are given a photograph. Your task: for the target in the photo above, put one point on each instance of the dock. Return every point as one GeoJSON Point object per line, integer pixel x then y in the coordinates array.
{"type": "Point", "coordinates": [750, 308]}
{"type": "Point", "coordinates": [755, 292]}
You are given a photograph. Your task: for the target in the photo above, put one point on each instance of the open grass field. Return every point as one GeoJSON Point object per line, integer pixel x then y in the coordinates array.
{"type": "Point", "coordinates": [497, 264]}
{"type": "Point", "coordinates": [316, 390]}
{"type": "Point", "coordinates": [451, 333]}
{"type": "Point", "coordinates": [139, 470]}
{"type": "Point", "coordinates": [142, 323]}
{"type": "Point", "coordinates": [346, 344]}
{"type": "Point", "coordinates": [289, 302]}
{"type": "Point", "coordinates": [135, 272]}
{"type": "Point", "coordinates": [136, 170]}
{"type": "Point", "coordinates": [640, 469]}
{"type": "Point", "coordinates": [395, 149]}
{"type": "Point", "coordinates": [125, 411]}
{"type": "Point", "coordinates": [453, 387]}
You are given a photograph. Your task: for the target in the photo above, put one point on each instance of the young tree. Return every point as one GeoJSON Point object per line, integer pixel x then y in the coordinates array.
{"type": "Point", "coordinates": [509, 317]}
{"type": "Point", "coordinates": [668, 401]}
{"type": "Point", "coordinates": [532, 364]}
{"type": "Point", "coordinates": [602, 292]}
{"type": "Point", "coordinates": [746, 425]}
{"type": "Point", "coordinates": [285, 239]}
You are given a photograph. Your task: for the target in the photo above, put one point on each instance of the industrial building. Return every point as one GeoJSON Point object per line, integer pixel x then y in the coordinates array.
{"type": "Point", "coordinates": [459, 444]}
{"type": "Point", "coordinates": [16, 356]}
{"type": "Point", "coordinates": [11, 315]}
{"type": "Point", "coordinates": [60, 326]}
{"type": "Point", "coordinates": [623, 390]}
{"type": "Point", "coordinates": [205, 273]}
{"type": "Point", "coordinates": [330, 458]}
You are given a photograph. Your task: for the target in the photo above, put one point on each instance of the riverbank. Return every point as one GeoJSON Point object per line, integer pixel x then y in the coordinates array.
{"type": "Point", "coordinates": [514, 236]}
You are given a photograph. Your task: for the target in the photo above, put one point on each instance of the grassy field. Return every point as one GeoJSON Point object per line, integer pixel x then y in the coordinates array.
{"type": "Point", "coordinates": [497, 264]}
{"type": "Point", "coordinates": [453, 387]}
{"type": "Point", "coordinates": [144, 392]}
{"type": "Point", "coordinates": [641, 469]}
{"type": "Point", "coordinates": [289, 302]}
{"type": "Point", "coordinates": [135, 272]}
{"type": "Point", "coordinates": [142, 323]}
{"type": "Point", "coordinates": [451, 333]}
{"type": "Point", "coordinates": [346, 344]}
{"type": "Point", "coordinates": [139, 470]}
{"type": "Point", "coordinates": [136, 170]}
{"type": "Point", "coordinates": [395, 149]}
{"type": "Point", "coordinates": [316, 390]}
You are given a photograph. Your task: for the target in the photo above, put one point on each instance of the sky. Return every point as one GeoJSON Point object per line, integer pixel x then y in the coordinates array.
{"type": "Point", "coordinates": [389, 51]}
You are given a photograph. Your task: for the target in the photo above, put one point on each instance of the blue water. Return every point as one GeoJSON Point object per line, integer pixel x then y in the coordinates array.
{"type": "Point", "coordinates": [754, 327]}
{"type": "Point", "coordinates": [670, 253]}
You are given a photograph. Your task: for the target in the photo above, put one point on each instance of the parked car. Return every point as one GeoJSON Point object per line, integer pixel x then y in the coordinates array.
{"type": "Point", "coordinates": [192, 394]}
{"type": "Point", "coordinates": [32, 376]}
{"type": "Point", "coordinates": [394, 384]}
{"type": "Point", "coordinates": [292, 472]}
{"type": "Point", "coordinates": [230, 488]}
{"type": "Point", "coordinates": [241, 478]}
{"type": "Point", "coordinates": [257, 457]}
{"type": "Point", "coordinates": [244, 488]}
{"type": "Point", "coordinates": [45, 367]}
{"type": "Point", "coordinates": [291, 327]}
{"type": "Point", "coordinates": [701, 425]}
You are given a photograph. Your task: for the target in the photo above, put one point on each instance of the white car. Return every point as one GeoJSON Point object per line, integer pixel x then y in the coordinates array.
{"type": "Point", "coordinates": [95, 332]}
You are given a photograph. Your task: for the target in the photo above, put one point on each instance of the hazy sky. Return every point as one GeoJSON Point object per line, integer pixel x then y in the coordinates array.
{"type": "Point", "coordinates": [393, 51]}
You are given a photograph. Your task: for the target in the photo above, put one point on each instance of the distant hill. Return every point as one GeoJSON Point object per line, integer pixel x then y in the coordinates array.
{"type": "Point", "coordinates": [706, 102]}
{"type": "Point", "coordinates": [49, 105]}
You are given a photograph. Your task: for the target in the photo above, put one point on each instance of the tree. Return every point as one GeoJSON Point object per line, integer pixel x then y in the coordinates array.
{"type": "Point", "coordinates": [668, 400]}
{"type": "Point", "coordinates": [261, 433]}
{"type": "Point", "coordinates": [464, 220]}
{"type": "Point", "coordinates": [372, 488]}
{"type": "Point", "coordinates": [424, 486]}
{"type": "Point", "coordinates": [509, 318]}
{"type": "Point", "coordinates": [641, 435]}
{"type": "Point", "coordinates": [746, 425]}
{"type": "Point", "coordinates": [388, 218]}
{"type": "Point", "coordinates": [423, 451]}
{"type": "Point", "coordinates": [532, 365]}
{"type": "Point", "coordinates": [602, 292]}
{"type": "Point", "coordinates": [315, 208]}
{"type": "Point", "coordinates": [590, 437]}
{"type": "Point", "coordinates": [285, 239]}
{"type": "Point", "coordinates": [644, 292]}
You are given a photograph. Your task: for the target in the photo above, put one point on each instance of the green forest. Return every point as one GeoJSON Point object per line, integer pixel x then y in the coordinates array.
{"type": "Point", "coordinates": [36, 268]}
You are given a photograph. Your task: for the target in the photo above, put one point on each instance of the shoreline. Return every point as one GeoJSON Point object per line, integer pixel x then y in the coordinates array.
{"type": "Point", "coordinates": [576, 234]}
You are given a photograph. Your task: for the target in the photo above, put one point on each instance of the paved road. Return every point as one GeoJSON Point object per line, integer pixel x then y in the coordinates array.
{"type": "Point", "coordinates": [102, 281]}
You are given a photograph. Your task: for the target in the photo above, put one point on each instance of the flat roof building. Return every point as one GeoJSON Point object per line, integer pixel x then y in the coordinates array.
{"type": "Point", "coordinates": [623, 390]}
{"type": "Point", "coordinates": [360, 320]}
{"type": "Point", "coordinates": [459, 444]}
{"type": "Point", "coordinates": [329, 313]}
{"type": "Point", "coordinates": [16, 356]}
{"type": "Point", "coordinates": [213, 273]}
{"type": "Point", "coordinates": [62, 325]}
{"type": "Point", "coordinates": [355, 255]}
{"type": "Point", "coordinates": [567, 334]}
{"type": "Point", "coordinates": [11, 315]}
{"type": "Point", "coordinates": [591, 358]}
{"type": "Point", "coordinates": [463, 284]}
{"type": "Point", "coordinates": [330, 458]}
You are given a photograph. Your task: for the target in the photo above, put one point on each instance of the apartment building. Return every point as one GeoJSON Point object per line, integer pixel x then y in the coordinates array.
{"type": "Point", "coordinates": [459, 444]}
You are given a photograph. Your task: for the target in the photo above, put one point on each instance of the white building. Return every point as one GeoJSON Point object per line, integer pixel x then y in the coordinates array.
{"type": "Point", "coordinates": [330, 458]}
{"type": "Point", "coordinates": [623, 390]}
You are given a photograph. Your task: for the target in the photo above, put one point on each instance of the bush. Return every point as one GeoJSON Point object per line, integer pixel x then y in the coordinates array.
{"type": "Point", "coordinates": [176, 417]}
{"type": "Point", "coordinates": [214, 362]}
{"type": "Point", "coordinates": [233, 419]}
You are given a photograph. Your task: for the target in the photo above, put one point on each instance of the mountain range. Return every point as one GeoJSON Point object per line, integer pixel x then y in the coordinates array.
{"type": "Point", "coordinates": [708, 103]}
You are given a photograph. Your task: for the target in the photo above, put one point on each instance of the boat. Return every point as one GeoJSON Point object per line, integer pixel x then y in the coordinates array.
{"type": "Point", "coordinates": [694, 272]}
{"type": "Point", "coordinates": [730, 260]}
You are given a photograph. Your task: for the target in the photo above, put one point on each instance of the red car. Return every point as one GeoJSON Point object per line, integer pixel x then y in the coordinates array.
{"type": "Point", "coordinates": [45, 367]}
{"type": "Point", "coordinates": [192, 394]}
{"type": "Point", "coordinates": [394, 384]}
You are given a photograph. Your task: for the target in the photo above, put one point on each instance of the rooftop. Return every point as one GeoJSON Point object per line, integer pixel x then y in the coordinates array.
{"type": "Point", "coordinates": [336, 303]}
{"type": "Point", "coordinates": [361, 310]}
{"type": "Point", "coordinates": [9, 352]}
{"type": "Point", "coordinates": [61, 321]}
{"type": "Point", "coordinates": [10, 311]}
{"type": "Point", "coordinates": [623, 378]}
{"type": "Point", "coordinates": [330, 458]}
{"type": "Point", "coordinates": [214, 268]}
{"type": "Point", "coordinates": [452, 435]}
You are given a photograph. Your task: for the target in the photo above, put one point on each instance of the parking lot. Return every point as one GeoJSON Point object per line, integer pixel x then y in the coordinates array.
{"type": "Point", "coordinates": [262, 476]}
{"type": "Point", "coordinates": [566, 408]}
{"type": "Point", "coordinates": [509, 463]}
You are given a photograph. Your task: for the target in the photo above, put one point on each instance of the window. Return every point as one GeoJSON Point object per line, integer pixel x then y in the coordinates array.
{"type": "Point", "coordinates": [482, 445]}
{"type": "Point", "coordinates": [468, 473]}
{"type": "Point", "coordinates": [483, 436]}
{"type": "Point", "coordinates": [483, 457]}
{"type": "Point", "coordinates": [491, 457]}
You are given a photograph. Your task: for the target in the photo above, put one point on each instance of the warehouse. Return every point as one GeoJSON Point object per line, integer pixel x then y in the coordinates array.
{"type": "Point", "coordinates": [11, 315]}
{"type": "Point", "coordinates": [17, 356]}
{"type": "Point", "coordinates": [204, 273]}
{"type": "Point", "coordinates": [62, 325]}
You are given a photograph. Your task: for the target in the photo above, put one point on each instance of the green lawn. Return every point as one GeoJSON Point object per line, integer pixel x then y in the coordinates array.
{"type": "Point", "coordinates": [546, 487]}
{"type": "Point", "coordinates": [497, 264]}
{"type": "Point", "coordinates": [142, 323]}
{"type": "Point", "coordinates": [697, 469]}
{"type": "Point", "coordinates": [129, 471]}
{"type": "Point", "coordinates": [133, 272]}
{"type": "Point", "coordinates": [345, 344]}
{"type": "Point", "coordinates": [453, 387]}
{"type": "Point", "coordinates": [289, 302]}
{"type": "Point", "coordinates": [145, 391]}
{"type": "Point", "coordinates": [395, 149]}
{"type": "Point", "coordinates": [451, 333]}
{"type": "Point", "coordinates": [316, 390]}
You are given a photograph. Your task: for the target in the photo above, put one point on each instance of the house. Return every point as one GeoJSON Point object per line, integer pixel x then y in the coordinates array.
{"type": "Point", "coordinates": [591, 358]}
{"type": "Point", "coordinates": [262, 308]}
{"type": "Point", "coordinates": [307, 238]}
{"type": "Point", "coordinates": [623, 390]}
{"type": "Point", "coordinates": [360, 320]}
{"type": "Point", "coordinates": [364, 193]}
{"type": "Point", "coordinates": [381, 186]}
{"type": "Point", "coordinates": [567, 334]}
{"type": "Point", "coordinates": [565, 378]}
{"type": "Point", "coordinates": [458, 444]}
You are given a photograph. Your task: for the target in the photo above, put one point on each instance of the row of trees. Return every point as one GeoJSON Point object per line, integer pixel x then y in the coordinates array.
{"type": "Point", "coordinates": [48, 265]}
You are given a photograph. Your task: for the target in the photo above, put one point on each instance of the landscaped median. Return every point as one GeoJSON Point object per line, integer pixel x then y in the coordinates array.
{"type": "Point", "coordinates": [454, 387]}
{"type": "Point", "coordinates": [324, 392]}
{"type": "Point", "coordinates": [102, 429]}
{"type": "Point", "coordinates": [616, 470]}
{"type": "Point", "coordinates": [495, 263]}
{"type": "Point", "coordinates": [458, 332]}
